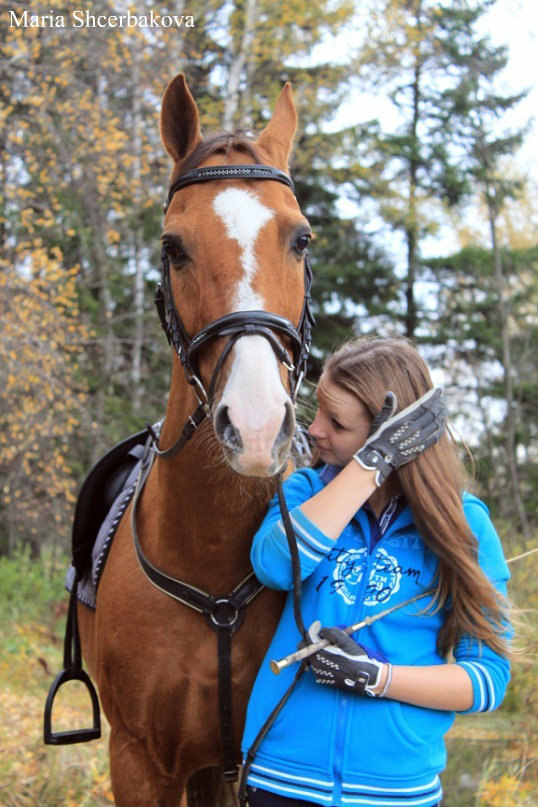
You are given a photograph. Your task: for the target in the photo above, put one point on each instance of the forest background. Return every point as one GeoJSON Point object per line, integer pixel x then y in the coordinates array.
{"type": "Point", "coordinates": [426, 225]}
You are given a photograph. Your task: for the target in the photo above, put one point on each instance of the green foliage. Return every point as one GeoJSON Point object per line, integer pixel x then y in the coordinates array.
{"type": "Point", "coordinates": [30, 587]}
{"type": "Point", "coordinates": [429, 59]}
{"type": "Point", "coordinates": [84, 175]}
{"type": "Point", "coordinates": [354, 281]}
{"type": "Point", "coordinates": [467, 325]}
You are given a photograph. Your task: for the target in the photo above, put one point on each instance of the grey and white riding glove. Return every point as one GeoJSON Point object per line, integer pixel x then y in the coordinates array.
{"type": "Point", "coordinates": [394, 440]}
{"type": "Point", "coordinates": [346, 664]}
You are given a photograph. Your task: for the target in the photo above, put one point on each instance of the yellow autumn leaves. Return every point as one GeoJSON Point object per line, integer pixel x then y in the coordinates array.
{"type": "Point", "coordinates": [41, 393]}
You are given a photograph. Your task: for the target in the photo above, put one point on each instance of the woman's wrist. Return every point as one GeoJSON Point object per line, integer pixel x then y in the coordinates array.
{"type": "Point", "coordinates": [383, 685]}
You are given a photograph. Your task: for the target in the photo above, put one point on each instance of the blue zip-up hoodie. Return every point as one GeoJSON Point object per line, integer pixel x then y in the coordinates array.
{"type": "Point", "coordinates": [337, 748]}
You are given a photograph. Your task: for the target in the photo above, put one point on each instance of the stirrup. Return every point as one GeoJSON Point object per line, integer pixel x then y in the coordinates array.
{"type": "Point", "coordinates": [72, 672]}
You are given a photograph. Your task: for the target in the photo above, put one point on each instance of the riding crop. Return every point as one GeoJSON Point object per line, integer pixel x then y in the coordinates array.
{"type": "Point", "coordinates": [309, 650]}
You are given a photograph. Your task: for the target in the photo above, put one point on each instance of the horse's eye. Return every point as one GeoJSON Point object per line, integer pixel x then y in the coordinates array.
{"type": "Point", "coordinates": [175, 251]}
{"type": "Point", "coordinates": [302, 242]}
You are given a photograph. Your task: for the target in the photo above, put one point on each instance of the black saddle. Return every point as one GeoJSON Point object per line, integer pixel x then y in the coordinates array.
{"type": "Point", "coordinates": [97, 494]}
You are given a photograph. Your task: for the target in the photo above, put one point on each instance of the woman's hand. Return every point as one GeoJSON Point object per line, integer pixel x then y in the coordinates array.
{"type": "Point", "coordinates": [346, 664]}
{"type": "Point", "coordinates": [394, 440]}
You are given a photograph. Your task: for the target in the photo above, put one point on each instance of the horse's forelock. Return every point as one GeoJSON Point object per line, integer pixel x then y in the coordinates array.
{"type": "Point", "coordinates": [224, 142]}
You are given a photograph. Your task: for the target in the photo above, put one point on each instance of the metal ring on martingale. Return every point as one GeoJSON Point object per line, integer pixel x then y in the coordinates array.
{"type": "Point", "coordinates": [224, 623]}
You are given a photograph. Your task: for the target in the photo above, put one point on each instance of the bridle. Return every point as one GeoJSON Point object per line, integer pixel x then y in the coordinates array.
{"type": "Point", "coordinates": [237, 324]}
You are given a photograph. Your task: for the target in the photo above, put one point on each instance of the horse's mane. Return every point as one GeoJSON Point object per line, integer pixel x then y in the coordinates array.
{"type": "Point", "coordinates": [219, 143]}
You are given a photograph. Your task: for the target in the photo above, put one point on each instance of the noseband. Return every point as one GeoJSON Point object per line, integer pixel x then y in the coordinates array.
{"type": "Point", "coordinates": [237, 324]}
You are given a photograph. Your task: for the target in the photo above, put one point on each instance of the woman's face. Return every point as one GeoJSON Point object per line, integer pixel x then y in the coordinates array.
{"type": "Point", "coordinates": [341, 423]}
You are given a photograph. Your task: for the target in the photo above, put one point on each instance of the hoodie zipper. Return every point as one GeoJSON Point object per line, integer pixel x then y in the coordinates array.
{"type": "Point", "coordinates": [344, 699]}
{"type": "Point", "coordinates": [343, 707]}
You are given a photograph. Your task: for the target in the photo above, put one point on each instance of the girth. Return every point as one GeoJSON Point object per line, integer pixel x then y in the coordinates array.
{"type": "Point", "coordinates": [224, 615]}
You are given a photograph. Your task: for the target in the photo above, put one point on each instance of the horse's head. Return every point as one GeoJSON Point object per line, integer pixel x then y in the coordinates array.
{"type": "Point", "coordinates": [237, 245]}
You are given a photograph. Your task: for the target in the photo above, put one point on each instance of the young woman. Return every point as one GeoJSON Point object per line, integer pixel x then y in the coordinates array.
{"type": "Point", "coordinates": [384, 519]}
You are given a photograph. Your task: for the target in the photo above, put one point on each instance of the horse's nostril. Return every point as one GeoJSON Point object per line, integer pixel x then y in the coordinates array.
{"type": "Point", "coordinates": [288, 426]}
{"type": "Point", "coordinates": [227, 433]}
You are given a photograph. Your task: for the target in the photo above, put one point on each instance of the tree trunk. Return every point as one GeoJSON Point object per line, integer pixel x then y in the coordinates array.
{"type": "Point", "coordinates": [238, 64]}
{"type": "Point", "coordinates": [411, 227]}
{"type": "Point", "coordinates": [507, 365]}
{"type": "Point", "coordinates": [495, 485]}
{"type": "Point", "coordinates": [3, 202]}
{"type": "Point", "coordinates": [138, 335]}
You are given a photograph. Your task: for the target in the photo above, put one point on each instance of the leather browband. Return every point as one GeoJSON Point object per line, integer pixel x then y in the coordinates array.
{"type": "Point", "coordinates": [212, 172]}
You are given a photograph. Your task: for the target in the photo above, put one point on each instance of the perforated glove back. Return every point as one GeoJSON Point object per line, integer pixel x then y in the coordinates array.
{"type": "Point", "coordinates": [344, 663]}
{"type": "Point", "coordinates": [394, 440]}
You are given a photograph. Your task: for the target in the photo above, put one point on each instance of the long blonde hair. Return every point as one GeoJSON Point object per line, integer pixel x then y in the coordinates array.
{"type": "Point", "coordinates": [433, 486]}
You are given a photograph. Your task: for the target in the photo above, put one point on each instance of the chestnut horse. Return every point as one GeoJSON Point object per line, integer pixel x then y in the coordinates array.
{"type": "Point", "coordinates": [232, 245]}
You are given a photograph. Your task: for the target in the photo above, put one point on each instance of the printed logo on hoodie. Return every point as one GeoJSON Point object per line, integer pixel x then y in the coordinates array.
{"type": "Point", "coordinates": [349, 567]}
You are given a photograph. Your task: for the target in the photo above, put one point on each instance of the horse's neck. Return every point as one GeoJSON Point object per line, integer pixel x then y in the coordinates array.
{"type": "Point", "coordinates": [208, 514]}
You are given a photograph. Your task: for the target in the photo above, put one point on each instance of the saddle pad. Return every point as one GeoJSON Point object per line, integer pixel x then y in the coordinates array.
{"type": "Point", "coordinates": [87, 588]}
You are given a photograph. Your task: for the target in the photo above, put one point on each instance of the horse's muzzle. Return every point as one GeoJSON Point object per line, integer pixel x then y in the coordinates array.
{"type": "Point", "coordinates": [259, 451]}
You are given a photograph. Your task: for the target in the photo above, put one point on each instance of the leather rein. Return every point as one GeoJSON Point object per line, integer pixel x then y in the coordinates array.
{"type": "Point", "coordinates": [224, 614]}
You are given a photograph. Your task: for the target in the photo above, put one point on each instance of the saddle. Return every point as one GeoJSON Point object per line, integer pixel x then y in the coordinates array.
{"type": "Point", "coordinates": [102, 501]}
{"type": "Point", "coordinates": [99, 490]}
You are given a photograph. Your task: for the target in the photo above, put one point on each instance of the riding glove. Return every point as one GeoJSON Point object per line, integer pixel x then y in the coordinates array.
{"type": "Point", "coordinates": [344, 663]}
{"type": "Point", "coordinates": [394, 440]}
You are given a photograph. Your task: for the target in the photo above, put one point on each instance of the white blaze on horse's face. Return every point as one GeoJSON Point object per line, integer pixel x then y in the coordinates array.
{"type": "Point", "coordinates": [255, 415]}
{"type": "Point", "coordinates": [244, 217]}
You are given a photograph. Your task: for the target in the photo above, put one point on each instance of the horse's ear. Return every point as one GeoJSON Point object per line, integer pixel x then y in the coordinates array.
{"type": "Point", "coordinates": [180, 122]}
{"type": "Point", "coordinates": [277, 137]}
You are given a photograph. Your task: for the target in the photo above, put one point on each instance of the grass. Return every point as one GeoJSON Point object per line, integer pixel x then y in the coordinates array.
{"type": "Point", "coordinates": [490, 763]}
{"type": "Point", "coordinates": [492, 758]}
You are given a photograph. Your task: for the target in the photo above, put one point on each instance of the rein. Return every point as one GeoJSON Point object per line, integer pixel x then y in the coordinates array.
{"type": "Point", "coordinates": [296, 574]}
{"type": "Point", "coordinates": [224, 614]}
